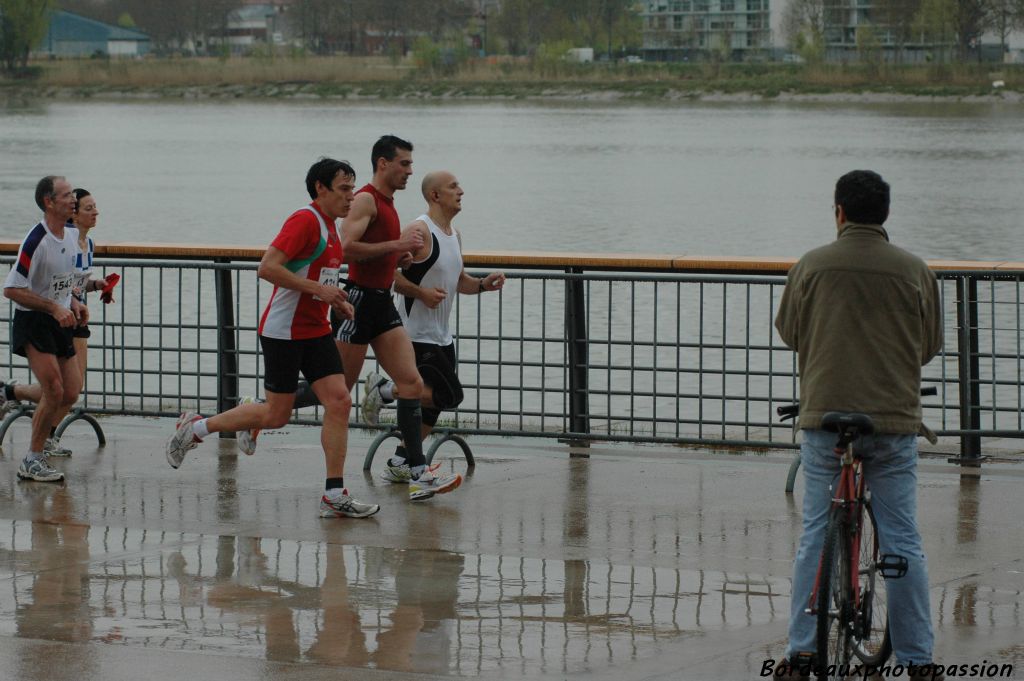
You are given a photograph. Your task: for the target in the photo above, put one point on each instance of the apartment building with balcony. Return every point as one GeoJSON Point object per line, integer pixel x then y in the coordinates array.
{"type": "Point", "coordinates": [694, 30]}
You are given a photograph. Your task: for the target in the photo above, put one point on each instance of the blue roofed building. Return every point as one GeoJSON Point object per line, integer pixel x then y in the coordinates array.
{"type": "Point", "coordinates": [71, 35]}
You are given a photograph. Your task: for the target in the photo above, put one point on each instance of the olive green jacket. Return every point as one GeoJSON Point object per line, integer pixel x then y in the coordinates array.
{"type": "Point", "coordinates": [864, 317]}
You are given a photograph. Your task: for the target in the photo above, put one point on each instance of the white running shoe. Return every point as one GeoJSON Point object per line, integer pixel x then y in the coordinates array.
{"type": "Point", "coordinates": [397, 474]}
{"type": "Point", "coordinates": [183, 440]}
{"type": "Point", "coordinates": [344, 506]}
{"type": "Point", "coordinates": [429, 484]}
{"type": "Point", "coordinates": [246, 439]}
{"type": "Point", "coordinates": [52, 447]}
{"type": "Point", "coordinates": [402, 473]}
{"type": "Point", "coordinates": [372, 399]}
{"type": "Point", "coordinates": [39, 470]}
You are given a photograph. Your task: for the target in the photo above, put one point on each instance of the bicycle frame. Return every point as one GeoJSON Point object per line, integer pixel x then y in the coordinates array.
{"type": "Point", "coordinates": [850, 494]}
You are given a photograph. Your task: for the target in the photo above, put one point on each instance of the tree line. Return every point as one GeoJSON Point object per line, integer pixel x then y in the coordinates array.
{"type": "Point", "coordinates": [938, 23]}
{"type": "Point", "coordinates": [339, 26]}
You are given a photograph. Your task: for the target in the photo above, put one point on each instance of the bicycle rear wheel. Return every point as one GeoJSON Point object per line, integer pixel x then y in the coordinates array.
{"type": "Point", "coordinates": [835, 606]}
{"type": "Point", "coordinates": [871, 642]}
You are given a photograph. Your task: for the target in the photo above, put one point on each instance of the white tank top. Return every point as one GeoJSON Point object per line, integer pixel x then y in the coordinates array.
{"type": "Point", "coordinates": [440, 269]}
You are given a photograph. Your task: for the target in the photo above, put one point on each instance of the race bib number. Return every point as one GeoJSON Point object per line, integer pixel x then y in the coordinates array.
{"type": "Point", "coordinates": [60, 286]}
{"type": "Point", "coordinates": [328, 277]}
{"type": "Point", "coordinates": [81, 280]}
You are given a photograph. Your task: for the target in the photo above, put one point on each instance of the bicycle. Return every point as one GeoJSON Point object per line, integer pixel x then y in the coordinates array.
{"type": "Point", "coordinates": [848, 597]}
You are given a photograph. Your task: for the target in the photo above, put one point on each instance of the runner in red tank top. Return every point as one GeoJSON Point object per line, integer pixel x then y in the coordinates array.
{"type": "Point", "coordinates": [379, 271]}
{"type": "Point", "coordinates": [374, 246]}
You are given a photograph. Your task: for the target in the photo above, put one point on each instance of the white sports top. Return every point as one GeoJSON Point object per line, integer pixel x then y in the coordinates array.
{"type": "Point", "coordinates": [440, 269]}
{"type": "Point", "coordinates": [46, 265]}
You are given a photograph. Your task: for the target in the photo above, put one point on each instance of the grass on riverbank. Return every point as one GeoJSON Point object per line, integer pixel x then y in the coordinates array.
{"type": "Point", "coordinates": [512, 77]}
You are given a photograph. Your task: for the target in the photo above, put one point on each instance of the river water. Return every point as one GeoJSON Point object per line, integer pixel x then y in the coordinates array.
{"type": "Point", "coordinates": [700, 178]}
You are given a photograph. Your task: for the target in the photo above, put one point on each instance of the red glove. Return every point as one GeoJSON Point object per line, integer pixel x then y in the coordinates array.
{"type": "Point", "coordinates": [107, 293]}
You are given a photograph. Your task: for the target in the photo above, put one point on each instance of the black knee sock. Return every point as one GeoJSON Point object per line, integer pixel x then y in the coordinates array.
{"type": "Point", "coordinates": [9, 391]}
{"type": "Point", "coordinates": [409, 420]}
{"type": "Point", "coordinates": [305, 397]}
{"type": "Point", "coordinates": [335, 483]}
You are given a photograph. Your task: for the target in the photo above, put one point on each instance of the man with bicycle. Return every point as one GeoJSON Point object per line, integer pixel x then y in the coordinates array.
{"type": "Point", "coordinates": [864, 317]}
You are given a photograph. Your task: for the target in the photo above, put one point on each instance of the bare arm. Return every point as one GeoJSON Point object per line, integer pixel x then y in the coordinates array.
{"type": "Point", "coordinates": [80, 310]}
{"type": "Point", "coordinates": [354, 226]}
{"type": "Point", "coordinates": [471, 285]}
{"type": "Point", "coordinates": [272, 269]}
{"type": "Point", "coordinates": [33, 301]}
{"type": "Point", "coordinates": [430, 296]}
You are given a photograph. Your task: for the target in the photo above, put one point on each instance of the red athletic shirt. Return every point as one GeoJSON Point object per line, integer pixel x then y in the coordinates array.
{"type": "Point", "coordinates": [378, 272]}
{"type": "Point", "coordinates": [291, 315]}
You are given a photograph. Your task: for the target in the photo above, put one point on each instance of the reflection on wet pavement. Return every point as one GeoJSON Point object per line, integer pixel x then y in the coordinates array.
{"type": "Point", "coordinates": [403, 610]}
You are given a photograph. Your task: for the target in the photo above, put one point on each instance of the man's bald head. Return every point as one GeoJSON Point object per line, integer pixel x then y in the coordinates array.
{"type": "Point", "coordinates": [433, 181]}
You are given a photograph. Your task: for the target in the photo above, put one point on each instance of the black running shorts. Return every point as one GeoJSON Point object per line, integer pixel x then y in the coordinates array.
{"type": "Point", "coordinates": [375, 314]}
{"type": "Point", "coordinates": [284, 359]}
{"type": "Point", "coordinates": [43, 332]}
{"type": "Point", "coordinates": [436, 364]}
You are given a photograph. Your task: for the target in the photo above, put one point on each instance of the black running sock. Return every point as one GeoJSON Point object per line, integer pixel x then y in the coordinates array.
{"type": "Point", "coordinates": [410, 417]}
{"type": "Point", "coordinates": [305, 397]}
{"type": "Point", "coordinates": [9, 391]}
{"type": "Point", "coordinates": [335, 483]}
{"type": "Point", "coordinates": [53, 431]}
{"type": "Point", "coordinates": [400, 453]}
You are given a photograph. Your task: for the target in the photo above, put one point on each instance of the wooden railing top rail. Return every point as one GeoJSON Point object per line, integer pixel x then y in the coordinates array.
{"type": "Point", "coordinates": [635, 262]}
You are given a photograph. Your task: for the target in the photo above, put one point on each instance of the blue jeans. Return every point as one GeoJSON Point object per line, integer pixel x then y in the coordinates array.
{"type": "Point", "coordinates": [892, 479]}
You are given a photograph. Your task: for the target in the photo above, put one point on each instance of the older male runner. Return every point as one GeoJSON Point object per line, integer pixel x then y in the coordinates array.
{"type": "Point", "coordinates": [425, 292]}
{"type": "Point", "coordinates": [302, 263]}
{"type": "Point", "coordinates": [45, 314]}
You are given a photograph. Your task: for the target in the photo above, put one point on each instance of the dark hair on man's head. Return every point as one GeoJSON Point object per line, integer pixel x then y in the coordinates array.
{"type": "Point", "coordinates": [324, 171]}
{"type": "Point", "coordinates": [864, 196]}
{"type": "Point", "coordinates": [79, 195]}
{"type": "Point", "coordinates": [44, 189]}
{"type": "Point", "coordinates": [387, 148]}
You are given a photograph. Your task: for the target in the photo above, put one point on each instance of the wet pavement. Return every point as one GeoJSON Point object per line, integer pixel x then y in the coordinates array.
{"type": "Point", "coordinates": [637, 563]}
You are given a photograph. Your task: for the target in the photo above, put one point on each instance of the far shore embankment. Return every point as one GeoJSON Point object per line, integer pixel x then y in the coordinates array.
{"type": "Point", "coordinates": [496, 79]}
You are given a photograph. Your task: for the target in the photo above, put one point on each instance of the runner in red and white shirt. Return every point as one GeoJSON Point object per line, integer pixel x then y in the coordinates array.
{"type": "Point", "coordinates": [313, 251]}
{"type": "Point", "coordinates": [302, 263]}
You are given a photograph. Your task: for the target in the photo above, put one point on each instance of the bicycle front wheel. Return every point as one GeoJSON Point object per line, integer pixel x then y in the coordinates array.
{"type": "Point", "coordinates": [871, 642]}
{"type": "Point", "coordinates": [835, 604]}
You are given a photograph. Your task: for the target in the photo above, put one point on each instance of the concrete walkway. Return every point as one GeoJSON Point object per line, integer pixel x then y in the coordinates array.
{"type": "Point", "coordinates": [638, 563]}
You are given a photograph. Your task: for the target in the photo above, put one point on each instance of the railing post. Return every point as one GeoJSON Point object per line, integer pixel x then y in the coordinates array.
{"type": "Point", "coordinates": [967, 352]}
{"type": "Point", "coordinates": [227, 352]}
{"type": "Point", "coordinates": [578, 355]}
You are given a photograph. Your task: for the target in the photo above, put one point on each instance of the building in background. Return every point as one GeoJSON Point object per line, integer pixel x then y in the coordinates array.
{"type": "Point", "coordinates": [892, 31]}
{"type": "Point", "coordinates": [696, 30]}
{"type": "Point", "coordinates": [71, 35]}
{"type": "Point", "coordinates": [252, 24]}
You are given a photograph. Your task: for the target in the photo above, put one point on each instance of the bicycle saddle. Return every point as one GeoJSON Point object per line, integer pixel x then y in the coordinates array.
{"type": "Point", "coordinates": [847, 423]}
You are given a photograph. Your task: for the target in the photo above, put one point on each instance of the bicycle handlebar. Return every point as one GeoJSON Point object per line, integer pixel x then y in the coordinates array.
{"type": "Point", "coordinates": [787, 412]}
{"type": "Point", "coordinates": [790, 411]}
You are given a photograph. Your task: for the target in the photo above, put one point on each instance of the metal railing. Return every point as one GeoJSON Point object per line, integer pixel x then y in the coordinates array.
{"type": "Point", "coordinates": [669, 350]}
